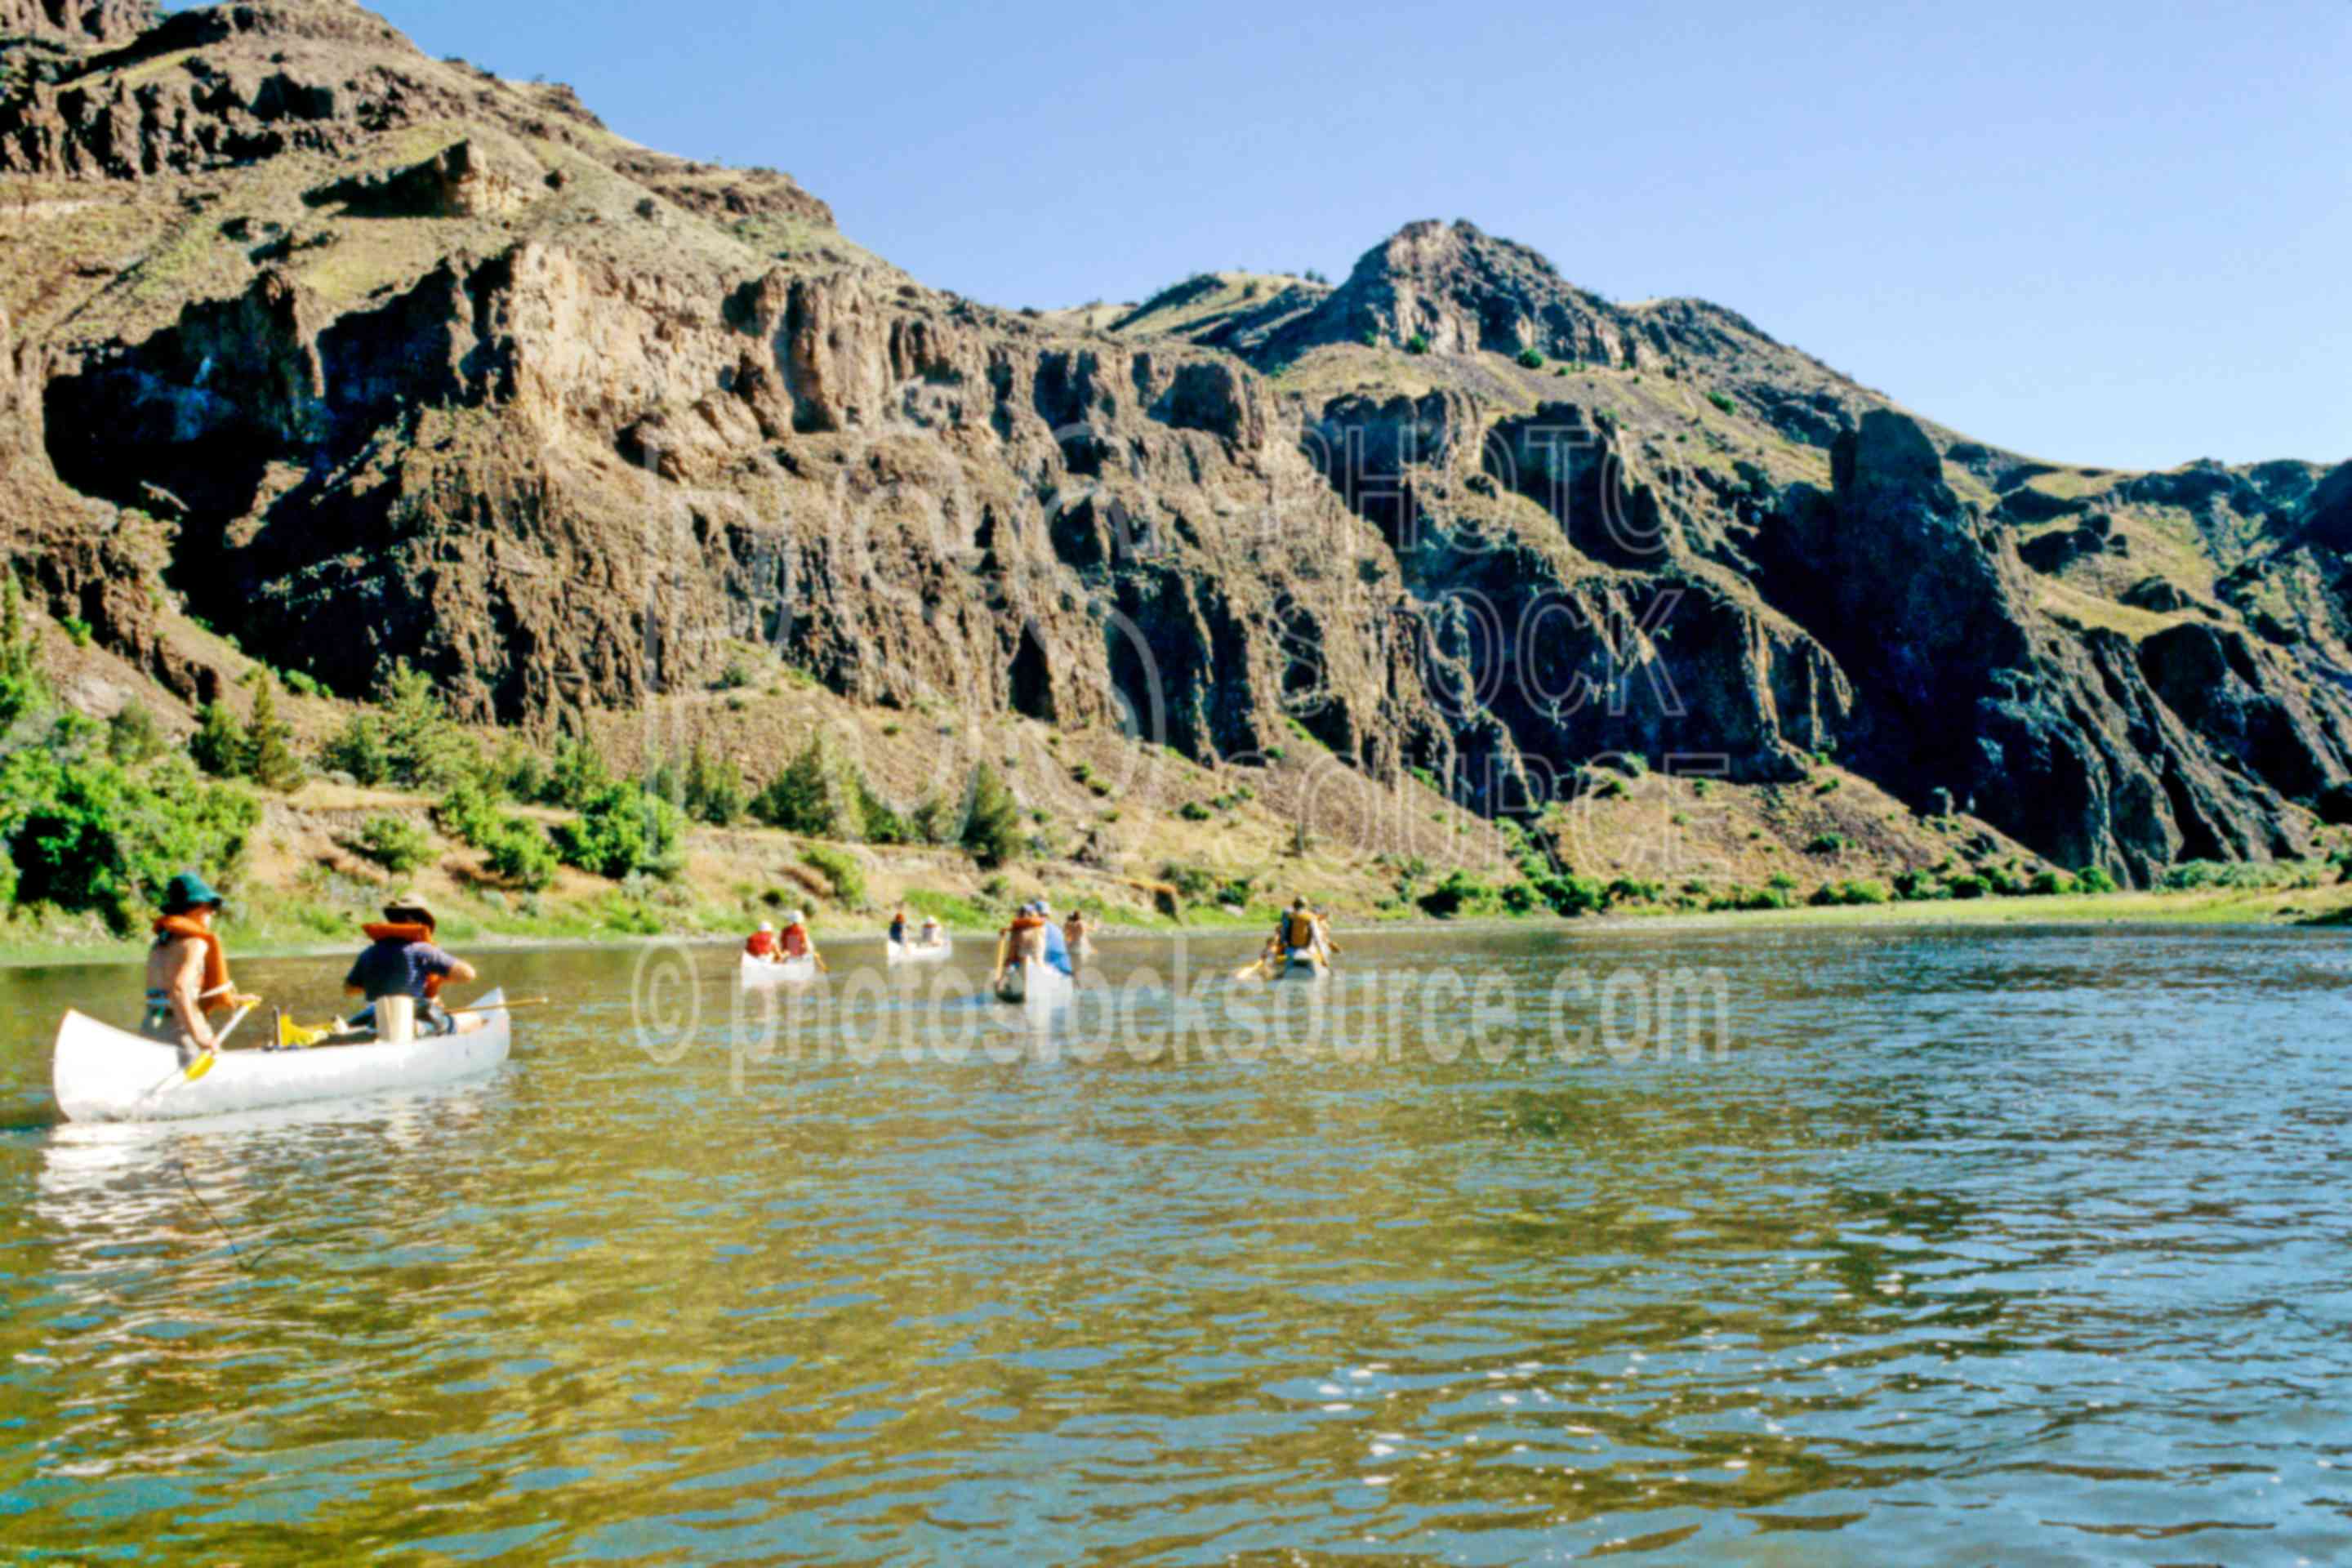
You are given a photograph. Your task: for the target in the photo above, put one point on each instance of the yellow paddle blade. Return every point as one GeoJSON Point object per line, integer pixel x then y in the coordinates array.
{"type": "Point", "coordinates": [293, 1037]}
{"type": "Point", "coordinates": [201, 1066]}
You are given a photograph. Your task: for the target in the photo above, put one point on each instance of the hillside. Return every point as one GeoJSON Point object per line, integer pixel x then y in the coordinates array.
{"type": "Point", "coordinates": [367, 356]}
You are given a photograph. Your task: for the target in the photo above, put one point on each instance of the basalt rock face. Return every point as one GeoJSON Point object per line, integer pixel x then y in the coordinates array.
{"type": "Point", "coordinates": [371, 357]}
{"type": "Point", "coordinates": [75, 21]}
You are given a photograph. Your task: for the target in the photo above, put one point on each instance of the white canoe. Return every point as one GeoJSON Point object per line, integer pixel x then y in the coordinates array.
{"type": "Point", "coordinates": [1303, 965]}
{"type": "Point", "coordinates": [787, 972]}
{"type": "Point", "coordinates": [920, 952]}
{"type": "Point", "coordinates": [105, 1074]}
{"type": "Point", "coordinates": [1035, 985]}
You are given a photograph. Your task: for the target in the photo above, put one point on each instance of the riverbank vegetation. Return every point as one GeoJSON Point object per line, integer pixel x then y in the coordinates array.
{"type": "Point", "coordinates": [309, 809]}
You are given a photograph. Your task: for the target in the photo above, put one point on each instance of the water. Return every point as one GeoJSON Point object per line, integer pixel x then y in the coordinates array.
{"type": "Point", "coordinates": [1967, 1247]}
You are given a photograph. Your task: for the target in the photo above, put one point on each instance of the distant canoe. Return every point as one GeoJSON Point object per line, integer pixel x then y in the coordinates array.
{"type": "Point", "coordinates": [759, 972]}
{"type": "Point", "coordinates": [101, 1073]}
{"type": "Point", "coordinates": [920, 952]}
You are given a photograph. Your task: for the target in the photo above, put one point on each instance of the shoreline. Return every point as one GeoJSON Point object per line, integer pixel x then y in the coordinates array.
{"type": "Point", "coordinates": [2277, 909]}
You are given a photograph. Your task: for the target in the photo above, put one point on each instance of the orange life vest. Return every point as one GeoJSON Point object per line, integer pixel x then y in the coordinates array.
{"type": "Point", "coordinates": [797, 941]}
{"type": "Point", "coordinates": [1298, 929]}
{"type": "Point", "coordinates": [215, 986]}
{"type": "Point", "coordinates": [762, 944]}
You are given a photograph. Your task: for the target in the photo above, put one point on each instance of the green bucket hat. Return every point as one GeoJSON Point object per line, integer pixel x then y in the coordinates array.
{"type": "Point", "coordinates": [189, 891]}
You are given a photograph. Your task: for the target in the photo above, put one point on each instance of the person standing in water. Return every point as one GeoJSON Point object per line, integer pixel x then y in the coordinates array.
{"type": "Point", "coordinates": [187, 972]}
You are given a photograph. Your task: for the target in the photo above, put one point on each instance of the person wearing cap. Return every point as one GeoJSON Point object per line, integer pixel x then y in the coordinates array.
{"type": "Point", "coordinates": [187, 971]}
{"type": "Point", "coordinates": [761, 943]}
{"type": "Point", "coordinates": [899, 926]}
{"type": "Point", "coordinates": [795, 941]}
{"type": "Point", "coordinates": [403, 959]}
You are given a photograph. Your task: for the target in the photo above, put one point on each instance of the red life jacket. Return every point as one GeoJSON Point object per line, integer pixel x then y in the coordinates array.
{"type": "Point", "coordinates": [796, 942]}
{"type": "Point", "coordinates": [762, 944]}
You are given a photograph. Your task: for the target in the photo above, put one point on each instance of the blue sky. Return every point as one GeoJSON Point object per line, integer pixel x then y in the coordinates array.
{"type": "Point", "coordinates": [2101, 232]}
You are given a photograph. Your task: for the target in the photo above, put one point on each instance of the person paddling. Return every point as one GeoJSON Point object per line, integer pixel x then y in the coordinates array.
{"type": "Point", "coordinates": [1021, 939]}
{"type": "Point", "coordinates": [761, 943]}
{"type": "Point", "coordinates": [932, 932]}
{"type": "Point", "coordinates": [899, 928]}
{"type": "Point", "coordinates": [402, 960]}
{"type": "Point", "coordinates": [795, 941]}
{"type": "Point", "coordinates": [1299, 933]}
{"type": "Point", "coordinates": [187, 972]}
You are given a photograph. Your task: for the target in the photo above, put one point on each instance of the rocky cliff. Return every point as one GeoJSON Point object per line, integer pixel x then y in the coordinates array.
{"type": "Point", "coordinates": [369, 356]}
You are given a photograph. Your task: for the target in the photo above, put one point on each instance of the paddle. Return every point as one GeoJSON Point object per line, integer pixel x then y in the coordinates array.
{"type": "Point", "coordinates": [204, 1062]}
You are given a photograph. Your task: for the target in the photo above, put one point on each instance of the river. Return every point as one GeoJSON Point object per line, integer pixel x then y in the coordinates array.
{"type": "Point", "coordinates": [1762, 1245]}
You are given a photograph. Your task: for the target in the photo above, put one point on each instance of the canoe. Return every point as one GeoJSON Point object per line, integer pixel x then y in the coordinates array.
{"type": "Point", "coordinates": [101, 1073]}
{"type": "Point", "coordinates": [1303, 965]}
{"type": "Point", "coordinates": [1032, 984]}
{"type": "Point", "coordinates": [757, 971]}
{"type": "Point", "coordinates": [920, 952]}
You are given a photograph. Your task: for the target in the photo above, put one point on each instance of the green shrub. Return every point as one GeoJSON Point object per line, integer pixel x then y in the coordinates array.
{"type": "Point", "coordinates": [216, 747]}
{"type": "Point", "coordinates": [841, 869]}
{"type": "Point", "coordinates": [1826, 844]}
{"type": "Point", "coordinates": [394, 843]}
{"type": "Point", "coordinates": [2052, 884]}
{"type": "Point", "coordinates": [1846, 893]}
{"type": "Point", "coordinates": [302, 685]}
{"type": "Point", "coordinates": [577, 774]}
{"type": "Point", "coordinates": [95, 835]}
{"type": "Point", "coordinates": [1633, 891]}
{"type": "Point", "coordinates": [622, 830]}
{"type": "Point", "coordinates": [1568, 894]}
{"type": "Point", "coordinates": [1531, 359]}
{"type": "Point", "coordinates": [1967, 887]}
{"type": "Point", "coordinates": [1459, 894]}
{"type": "Point", "coordinates": [1781, 882]}
{"type": "Point", "coordinates": [1723, 405]}
{"type": "Point", "coordinates": [2094, 880]}
{"type": "Point", "coordinates": [1416, 344]}
{"type": "Point", "coordinates": [1194, 811]}
{"type": "Point", "coordinates": [1521, 897]}
{"type": "Point", "coordinates": [467, 815]}
{"type": "Point", "coordinates": [358, 750]}
{"type": "Point", "coordinates": [133, 737]}
{"type": "Point", "coordinates": [1193, 884]}
{"type": "Point", "coordinates": [77, 630]}
{"type": "Point", "coordinates": [523, 854]}
{"type": "Point", "coordinates": [1917, 887]}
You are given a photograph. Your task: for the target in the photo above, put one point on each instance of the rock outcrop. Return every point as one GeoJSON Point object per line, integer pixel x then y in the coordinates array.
{"type": "Point", "coordinates": [372, 357]}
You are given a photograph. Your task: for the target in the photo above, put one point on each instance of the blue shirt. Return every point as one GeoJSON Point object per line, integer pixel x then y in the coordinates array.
{"type": "Point", "coordinates": [1057, 952]}
{"type": "Point", "coordinates": [398, 969]}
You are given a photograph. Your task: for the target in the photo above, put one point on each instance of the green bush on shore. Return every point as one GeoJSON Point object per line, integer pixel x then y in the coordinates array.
{"type": "Point", "coordinates": [395, 844]}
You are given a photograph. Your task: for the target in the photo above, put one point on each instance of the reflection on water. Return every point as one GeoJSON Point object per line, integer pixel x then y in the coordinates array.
{"type": "Point", "coordinates": [1999, 1247]}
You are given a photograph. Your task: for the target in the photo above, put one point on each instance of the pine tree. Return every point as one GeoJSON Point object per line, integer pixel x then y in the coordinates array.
{"type": "Point", "coordinates": [419, 742]}
{"type": "Point", "coordinates": [802, 799]}
{"type": "Point", "coordinates": [269, 761]}
{"type": "Point", "coordinates": [991, 819]}
{"type": "Point", "coordinates": [217, 746]}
